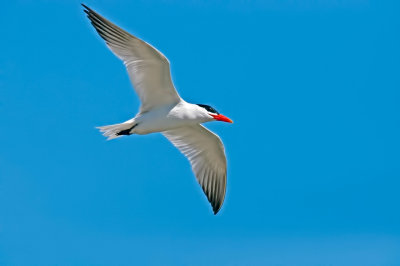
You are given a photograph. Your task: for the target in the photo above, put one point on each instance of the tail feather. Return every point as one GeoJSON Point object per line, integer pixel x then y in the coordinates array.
{"type": "Point", "coordinates": [112, 131]}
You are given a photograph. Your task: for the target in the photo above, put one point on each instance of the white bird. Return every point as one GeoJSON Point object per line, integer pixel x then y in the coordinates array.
{"type": "Point", "coordinates": [163, 110]}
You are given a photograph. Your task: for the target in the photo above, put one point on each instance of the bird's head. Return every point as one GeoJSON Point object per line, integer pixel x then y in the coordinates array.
{"type": "Point", "coordinates": [214, 113]}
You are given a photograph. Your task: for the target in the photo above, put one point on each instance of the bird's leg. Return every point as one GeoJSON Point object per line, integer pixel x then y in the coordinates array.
{"type": "Point", "coordinates": [126, 131]}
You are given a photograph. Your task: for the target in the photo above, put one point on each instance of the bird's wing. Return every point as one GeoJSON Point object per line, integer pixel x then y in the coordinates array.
{"type": "Point", "coordinates": [206, 154]}
{"type": "Point", "coordinates": [148, 68]}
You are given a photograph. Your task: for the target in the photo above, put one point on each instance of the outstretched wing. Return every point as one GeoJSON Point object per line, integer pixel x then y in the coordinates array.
{"type": "Point", "coordinates": [148, 68]}
{"type": "Point", "coordinates": [206, 154]}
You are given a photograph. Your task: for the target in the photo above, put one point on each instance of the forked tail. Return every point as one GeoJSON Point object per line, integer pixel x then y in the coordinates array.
{"type": "Point", "coordinates": [117, 130]}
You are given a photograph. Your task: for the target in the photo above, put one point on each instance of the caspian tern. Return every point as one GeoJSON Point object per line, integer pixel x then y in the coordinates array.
{"type": "Point", "coordinates": [163, 110]}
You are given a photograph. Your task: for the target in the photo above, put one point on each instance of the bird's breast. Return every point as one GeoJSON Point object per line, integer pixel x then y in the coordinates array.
{"type": "Point", "coordinates": [163, 119]}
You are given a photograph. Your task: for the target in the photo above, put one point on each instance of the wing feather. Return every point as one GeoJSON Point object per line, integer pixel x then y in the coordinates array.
{"type": "Point", "coordinates": [206, 154]}
{"type": "Point", "coordinates": [148, 68]}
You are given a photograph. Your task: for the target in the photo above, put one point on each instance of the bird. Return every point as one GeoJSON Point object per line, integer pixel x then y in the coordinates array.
{"type": "Point", "coordinates": [163, 110]}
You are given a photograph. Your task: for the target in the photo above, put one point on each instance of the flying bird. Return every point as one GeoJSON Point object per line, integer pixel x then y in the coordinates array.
{"type": "Point", "coordinates": [163, 110]}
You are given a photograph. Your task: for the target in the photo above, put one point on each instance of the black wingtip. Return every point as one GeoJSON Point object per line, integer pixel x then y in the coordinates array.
{"type": "Point", "coordinates": [87, 10]}
{"type": "Point", "coordinates": [216, 209]}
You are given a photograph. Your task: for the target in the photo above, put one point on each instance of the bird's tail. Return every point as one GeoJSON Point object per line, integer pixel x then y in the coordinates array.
{"type": "Point", "coordinates": [117, 130]}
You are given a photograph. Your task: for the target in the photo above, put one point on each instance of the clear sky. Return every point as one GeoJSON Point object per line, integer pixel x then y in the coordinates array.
{"type": "Point", "coordinates": [313, 156]}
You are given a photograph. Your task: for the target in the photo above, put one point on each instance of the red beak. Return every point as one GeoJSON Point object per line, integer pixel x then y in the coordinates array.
{"type": "Point", "coordinates": [222, 118]}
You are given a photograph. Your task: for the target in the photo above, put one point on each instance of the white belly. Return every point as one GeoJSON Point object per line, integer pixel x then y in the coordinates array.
{"type": "Point", "coordinates": [164, 118]}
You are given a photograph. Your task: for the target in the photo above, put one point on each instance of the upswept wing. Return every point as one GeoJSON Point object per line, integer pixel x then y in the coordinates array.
{"type": "Point", "coordinates": [206, 154]}
{"type": "Point", "coordinates": [148, 68]}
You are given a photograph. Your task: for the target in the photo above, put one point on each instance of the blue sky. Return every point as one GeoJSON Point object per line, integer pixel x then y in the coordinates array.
{"type": "Point", "coordinates": [313, 155]}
